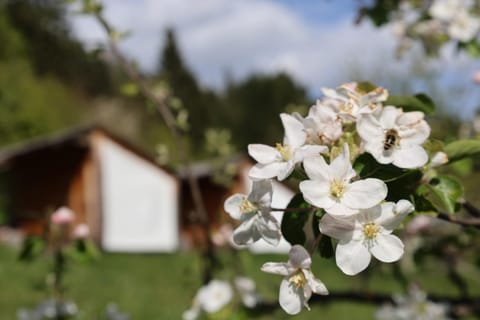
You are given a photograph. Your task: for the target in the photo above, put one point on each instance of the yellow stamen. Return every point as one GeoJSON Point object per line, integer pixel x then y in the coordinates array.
{"type": "Point", "coordinates": [337, 188]}
{"type": "Point", "coordinates": [247, 206]}
{"type": "Point", "coordinates": [370, 230]}
{"type": "Point", "coordinates": [284, 151]}
{"type": "Point", "coordinates": [298, 279]}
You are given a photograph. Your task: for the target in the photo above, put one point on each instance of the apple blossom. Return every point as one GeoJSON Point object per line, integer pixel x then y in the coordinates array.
{"type": "Point", "coordinates": [365, 234]}
{"type": "Point", "coordinates": [280, 161]}
{"type": "Point", "coordinates": [298, 282]}
{"type": "Point", "coordinates": [214, 296]}
{"type": "Point", "coordinates": [81, 231]}
{"type": "Point", "coordinates": [438, 159]}
{"type": "Point", "coordinates": [62, 216]}
{"type": "Point", "coordinates": [394, 136]}
{"type": "Point", "coordinates": [246, 288]}
{"type": "Point", "coordinates": [331, 189]}
{"type": "Point", "coordinates": [254, 212]}
{"type": "Point", "coordinates": [350, 101]}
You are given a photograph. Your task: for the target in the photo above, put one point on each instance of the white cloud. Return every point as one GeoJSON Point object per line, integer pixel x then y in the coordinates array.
{"type": "Point", "coordinates": [219, 37]}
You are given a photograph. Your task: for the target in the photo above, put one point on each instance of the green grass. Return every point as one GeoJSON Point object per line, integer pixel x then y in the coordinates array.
{"type": "Point", "coordinates": [161, 286]}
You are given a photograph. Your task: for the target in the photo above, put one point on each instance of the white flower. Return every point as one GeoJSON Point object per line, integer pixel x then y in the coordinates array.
{"type": "Point", "coordinates": [81, 231]}
{"type": "Point", "coordinates": [461, 25]}
{"type": "Point", "coordinates": [299, 282]}
{"type": "Point", "coordinates": [415, 306]}
{"type": "Point", "coordinates": [395, 137]}
{"type": "Point", "coordinates": [330, 187]}
{"type": "Point", "coordinates": [367, 233]}
{"type": "Point", "coordinates": [322, 124]}
{"type": "Point", "coordinates": [62, 216]}
{"type": "Point", "coordinates": [438, 159]}
{"type": "Point", "coordinates": [280, 161]}
{"type": "Point", "coordinates": [351, 102]}
{"type": "Point", "coordinates": [254, 212]}
{"type": "Point", "coordinates": [246, 288]}
{"type": "Point", "coordinates": [214, 296]}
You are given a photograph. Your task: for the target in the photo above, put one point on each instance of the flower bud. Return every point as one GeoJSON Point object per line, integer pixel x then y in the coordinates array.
{"type": "Point", "coordinates": [63, 216]}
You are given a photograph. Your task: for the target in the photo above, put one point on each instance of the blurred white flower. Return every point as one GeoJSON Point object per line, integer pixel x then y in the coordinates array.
{"type": "Point", "coordinates": [476, 77]}
{"type": "Point", "coordinates": [280, 161]}
{"type": "Point", "coordinates": [246, 288]}
{"type": "Point", "coordinates": [254, 212]}
{"type": "Point", "coordinates": [394, 136]}
{"type": "Point", "coordinates": [298, 282]}
{"type": "Point", "coordinates": [365, 234]}
{"type": "Point", "coordinates": [62, 216]}
{"type": "Point", "coordinates": [222, 236]}
{"type": "Point", "coordinates": [415, 306]}
{"type": "Point", "coordinates": [214, 296]}
{"type": "Point", "coordinates": [330, 187]}
{"type": "Point", "coordinates": [418, 224]}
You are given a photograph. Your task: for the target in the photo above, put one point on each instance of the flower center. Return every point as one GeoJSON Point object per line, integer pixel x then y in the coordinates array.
{"type": "Point", "coordinates": [347, 107]}
{"type": "Point", "coordinates": [246, 206]}
{"type": "Point", "coordinates": [370, 230]}
{"type": "Point", "coordinates": [285, 151]}
{"type": "Point", "coordinates": [298, 279]}
{"type": "Point", "coordinates": [337, 188]}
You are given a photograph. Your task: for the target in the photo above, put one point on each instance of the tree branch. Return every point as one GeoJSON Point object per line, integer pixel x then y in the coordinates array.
{"type": "Point", "coordinates": [471, 222]}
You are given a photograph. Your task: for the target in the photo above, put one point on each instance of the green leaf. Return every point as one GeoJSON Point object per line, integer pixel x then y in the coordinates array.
{"type": "Point", "coordinates": [325, 247]}
{"type": "Point", "coordinates": [32, 247]}
{"type": "Point", "coordinates": [443, 192]}
{"type": "Point", "coordinates": [293, 222]}
{"type": "Point", "coordinates": [418, 102]}
{"type": "Point", "coordinates": [462, 149]}
{"type": "Point", "coordinates": [129, 89]}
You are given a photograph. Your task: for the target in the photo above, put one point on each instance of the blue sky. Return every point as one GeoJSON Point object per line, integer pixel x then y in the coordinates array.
{"type": "Point", "coordinates": [314, 41]}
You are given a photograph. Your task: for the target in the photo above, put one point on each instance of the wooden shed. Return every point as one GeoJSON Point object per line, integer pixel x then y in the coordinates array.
{"type": "Point", "coordinates": [130, 203]}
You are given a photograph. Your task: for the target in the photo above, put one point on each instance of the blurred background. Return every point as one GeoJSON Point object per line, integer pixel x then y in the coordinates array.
{"type": "Point", "coordinates": [74, 131]}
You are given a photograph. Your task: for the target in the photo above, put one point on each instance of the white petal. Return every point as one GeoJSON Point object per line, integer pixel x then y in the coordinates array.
{"type": "Point", "coordinates": [280, 268]}
{"type": "Point", "coordinates": [393, 215]}
{"type": "Point", "coordinates": [263, 154]}
{"type": "Point", "coordinates": [299, 258]}
{"type": "Point", "coordinates": [294, 131]}
{"type": "Point", "coordinates": [416, 134]}
{"type": "Point", "coordinates": [387, 248]}
{"type": "Point", "coordinates": [317, 193]}
{"type": "Point", "coordinates": [341, 167]}
{"type": "Point", "coordinates": [389, 116]}
{"type": "Point", "coordinates": [352, 257]}
{"type": "Point", "coordinates": [309, 151]}
{"type": "Point", "coordinates": [376, 149]}
{"type": "Point", "coordinates": [286, 171]}
{"type": "Point", "coordinates": [269, 229]}
{"type": "Point", "coordinates": [340, 229]}
{"type": "Point", "coordinates": [246, 233]}
{"type": "Point", "coordinates": [317, 169]}
{"type": "Point", "coordinates": [315, 284]}
{"type": "Point", "coordinates": [363, 194]}
{"type": "Point", "coordinates": [267, 171]}
{"type": "Point", "coordinates": [261, 193]}
{"type": "Point", "coordinates": [232, 205]}
{"type": "Point", "coordinates": [411, 157]}
{"type": "Point", "coordinates": [340, 210]}
{"type": "Point", "coordinates": [369, 129]}
{"type": "Point", "coordinates": [291, 299]}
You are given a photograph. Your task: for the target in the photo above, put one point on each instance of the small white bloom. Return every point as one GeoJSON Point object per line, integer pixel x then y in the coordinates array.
{"type": "Point", "coordinates": [395, 137]}
{"type": "Point", "coordinates": [298, 282]}
{"type": "Point", "coordinates": [246, 288]}
{"type": "Point", "coordinates": [322, 124]}
{"type": "Point", "coordinates": [81, 231]}
{"type": "Point", "coordinates": [415, 306]}
{"type": "Point", "coordinates": [330, 187]}
{"type": "Point", "coordinates": [214, 296]}
{"type": "Point", "coordinates": [352, 102]}
{"type": "Point", "coordinates": [254, 212]}
{"type": "Point", "coordinates": [280, 161]}
{"type": "Point", "coordinates": [367, 233]}
{"type": "Point", "coordinates": [438, 159]}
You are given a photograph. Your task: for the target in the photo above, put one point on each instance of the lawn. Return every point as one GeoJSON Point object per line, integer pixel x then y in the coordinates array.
{"type": "Point", "coordinates": [161, 286]}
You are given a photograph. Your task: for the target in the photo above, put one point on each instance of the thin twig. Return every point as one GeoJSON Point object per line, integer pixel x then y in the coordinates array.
{"type": "Point", "coordinates": [470, 208]}
{"type": "Point", "coordinates": [466, 222]}
{"type": "Point", "coordinates": [169, 119]}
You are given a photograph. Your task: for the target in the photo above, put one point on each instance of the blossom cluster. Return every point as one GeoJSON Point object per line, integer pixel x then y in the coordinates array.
{"type": "Point", "coordinates": [347, 122]}
{"type": "Point", "coordinates": [437, 22]}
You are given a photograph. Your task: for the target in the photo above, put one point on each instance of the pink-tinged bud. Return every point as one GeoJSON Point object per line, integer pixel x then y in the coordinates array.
{"type": "Point", "coordinates": [222, 235]}
{"type": "Point", "coordinates": [63, 216]}
{"type": "Point", "coordinates": [476, 77]}
{"type": "Point", "coordinates": [81, 231]}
